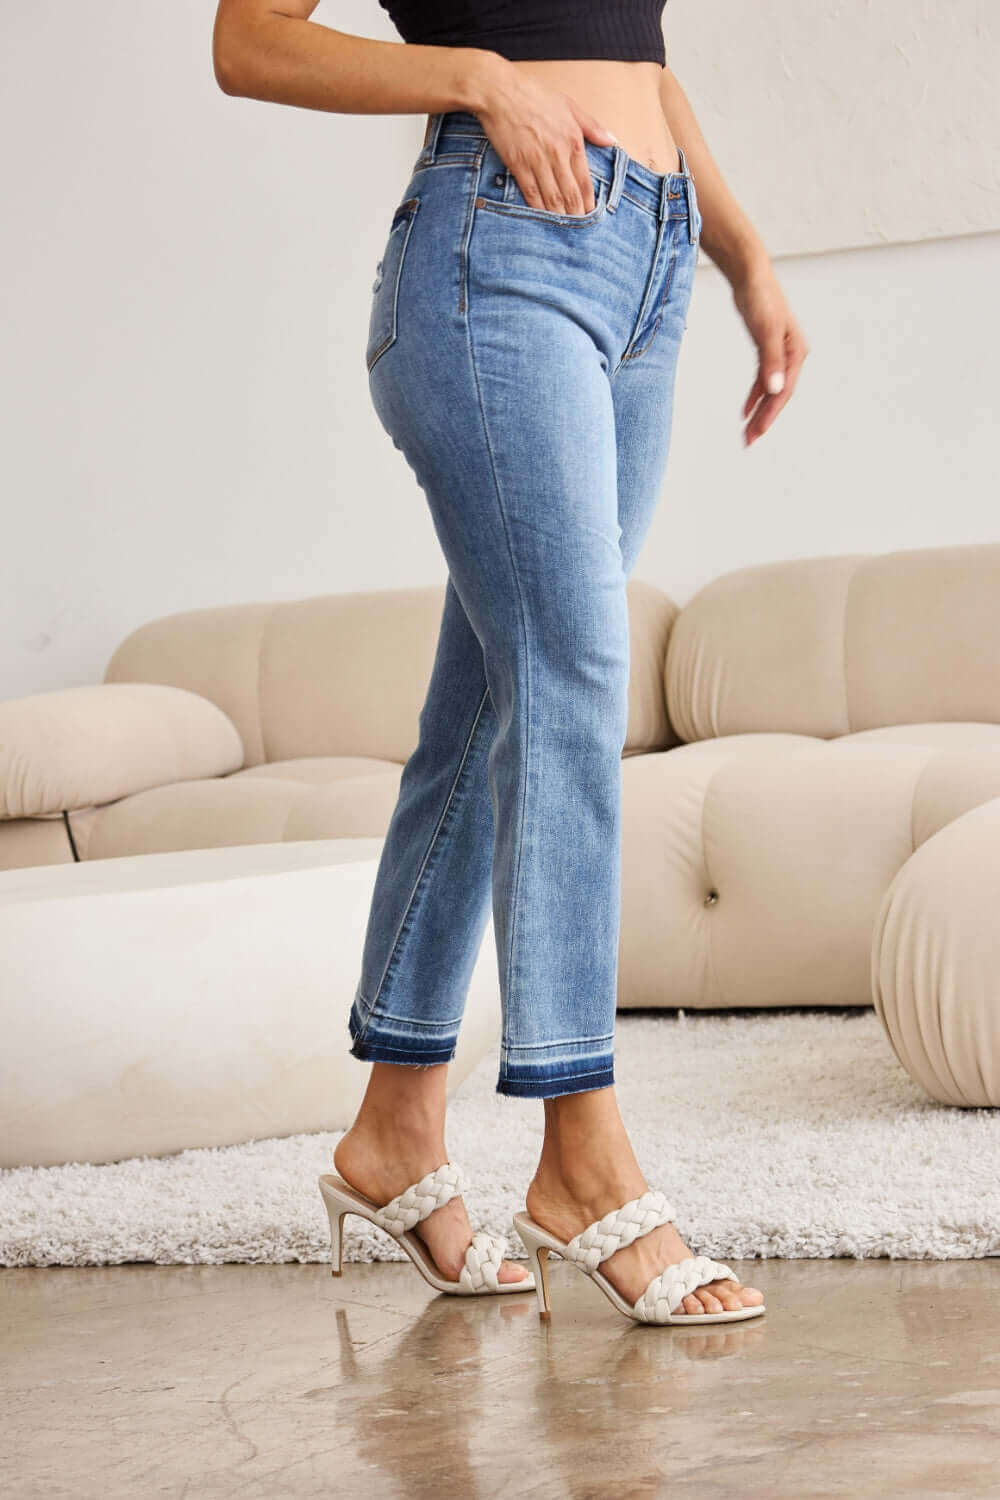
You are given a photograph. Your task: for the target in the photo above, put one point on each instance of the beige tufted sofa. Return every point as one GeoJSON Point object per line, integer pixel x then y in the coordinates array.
{"type": "Point", "coordinates": [250, 724]}
{"type": "Point", "coordinates": [796, 732]}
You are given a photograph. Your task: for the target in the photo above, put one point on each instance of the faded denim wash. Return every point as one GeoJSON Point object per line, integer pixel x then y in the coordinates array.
{"type": "Point", "coordinates": [523, 362]}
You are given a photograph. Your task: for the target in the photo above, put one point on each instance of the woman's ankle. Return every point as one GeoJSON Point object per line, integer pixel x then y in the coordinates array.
{"type": "Point", "coordinates": [405, 1094]}
{"type": "Point", "coordinates": [586, 1152]}
{"type": "Point", "coordinates": [587, 1166]}
{"type": "Point", "coordinates": [405, 1140]}
{"type": "Point", "coordinates": [402, 1104]}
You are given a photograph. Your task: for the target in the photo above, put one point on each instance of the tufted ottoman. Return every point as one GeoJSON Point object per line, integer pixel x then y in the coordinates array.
{"type": "Point", "coordinates": [935, 963]}
{"type": "Point", "coordinates": [199, 998]}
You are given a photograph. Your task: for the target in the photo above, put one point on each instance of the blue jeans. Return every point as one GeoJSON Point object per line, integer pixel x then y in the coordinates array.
{"type": "Point", "coordinates": [523, 362]}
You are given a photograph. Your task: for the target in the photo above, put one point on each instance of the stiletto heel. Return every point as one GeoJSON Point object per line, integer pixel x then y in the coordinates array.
{"type": "Point", "coordinates": [336, 1239]}
{"type": "Point", "coordinates": [400, 1217]}
{"type": "Point", "coordinates": [540, 1254]}
{"type": "Point", "coordinates": [599, 1241]}
{"type": "Point", "coordinates": [542, 1284]}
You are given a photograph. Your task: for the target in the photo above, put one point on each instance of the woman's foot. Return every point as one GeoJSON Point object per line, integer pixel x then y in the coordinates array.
{"type": "Point", "coordinates": [397, 1138]}
{"type": "Point", "coordinates": [588, 1168]}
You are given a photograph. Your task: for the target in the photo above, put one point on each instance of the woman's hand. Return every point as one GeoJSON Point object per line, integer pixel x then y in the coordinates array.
{"type": "Point", "coordinates": [780, 343]}
{"type": "Point", "coordinates": [539, 133]}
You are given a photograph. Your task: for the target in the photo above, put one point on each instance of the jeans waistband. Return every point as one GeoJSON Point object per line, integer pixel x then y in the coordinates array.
{"type": "Point", "coordinates": [459, 130]}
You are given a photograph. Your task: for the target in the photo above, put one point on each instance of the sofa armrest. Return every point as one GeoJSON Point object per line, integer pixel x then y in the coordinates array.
{"type": "Point", "coordinates": [80, 747]}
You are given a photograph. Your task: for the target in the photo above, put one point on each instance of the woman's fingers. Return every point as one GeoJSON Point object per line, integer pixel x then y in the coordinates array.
{"type": "Point", "coordinates": [544, 144]}
{"type": "Point", "coordinates": [592, 129]}
{"type": "Point", "coordinates": [542, 137]}
{"type": "Point", "coordinates": [564, 193]}
{"type": "Point", "coordinates": [765, 404]}
{"type": "Point", "coordinates": [772, 359]}
{"type": "Point", "coordinates": [560, 181]}
{"type": "Point", "coordinates": [780, 343]}
{"type": "Point", "coordinates": [754, 395]}
{"type": "Point", "coordinates": [579, 178]}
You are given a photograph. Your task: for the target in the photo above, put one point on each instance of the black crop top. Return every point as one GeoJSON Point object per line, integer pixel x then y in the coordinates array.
{"type": "Point", "coordinates": [624, 30]}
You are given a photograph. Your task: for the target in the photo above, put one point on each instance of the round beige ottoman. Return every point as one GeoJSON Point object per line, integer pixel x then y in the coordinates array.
{"type": "Point", "coordinates": [198, 998]}
{"type": "Point", "coordinates": [935, 963]}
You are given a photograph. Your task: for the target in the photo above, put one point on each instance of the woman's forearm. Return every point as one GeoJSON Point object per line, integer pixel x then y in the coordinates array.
{"type": "Point", "coordinates": [727, 235]}
{"type": "Point", "coordinates": [280, 55]}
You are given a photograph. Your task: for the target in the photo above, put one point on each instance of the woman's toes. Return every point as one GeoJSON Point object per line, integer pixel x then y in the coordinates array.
{"type": "Point", "coordinates": [511, 1271]}
{"type": "Point", "coordinates": [692, 1305]}
{"type": "Point", "coordinates": [709, 1301]}
{"type": "Point", "coordinates": [731, 1301]}
{"type": "Point", "coordinates": [750, 1296]}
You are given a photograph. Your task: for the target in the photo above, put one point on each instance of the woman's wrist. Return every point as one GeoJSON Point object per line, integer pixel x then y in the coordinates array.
{"type": "Point", "coordinates": [740, 253]}
{"type": "Point", "coordinates": [483, 79]}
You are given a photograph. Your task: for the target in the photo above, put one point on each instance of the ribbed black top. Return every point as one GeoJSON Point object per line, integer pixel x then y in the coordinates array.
{"type": "Point", "coordinates": [623, 30]}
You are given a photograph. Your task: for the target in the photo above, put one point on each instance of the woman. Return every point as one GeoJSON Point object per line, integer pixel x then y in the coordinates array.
{"type": "Point", "coordinates": [525, 323]}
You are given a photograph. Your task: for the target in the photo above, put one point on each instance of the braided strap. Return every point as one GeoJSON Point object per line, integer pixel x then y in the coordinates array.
{"type": "Point", "coordinates": [618, 1228]}
{"type": "Point", "coordinates": [482, 1262]}
{"type": "Point", "coordinates": [419, 1200]}
{"type": "Point", "coordinates": [668, 1290]}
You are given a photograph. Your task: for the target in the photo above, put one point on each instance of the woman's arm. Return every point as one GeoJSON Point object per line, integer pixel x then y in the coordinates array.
{"type": "Point", "coordinates": [269, 49]}
{"type": "Point", "coordinates": [730, 239]}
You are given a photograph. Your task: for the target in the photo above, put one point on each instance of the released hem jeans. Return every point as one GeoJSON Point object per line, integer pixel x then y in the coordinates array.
{"type": "Point", "coordinates": [523, 363]}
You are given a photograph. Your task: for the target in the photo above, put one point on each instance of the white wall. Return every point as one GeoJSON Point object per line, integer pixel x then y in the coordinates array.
{"type": "Point", "coordinates": [847, 122]}
{"type": "Point", "coordinates": [185, 280]}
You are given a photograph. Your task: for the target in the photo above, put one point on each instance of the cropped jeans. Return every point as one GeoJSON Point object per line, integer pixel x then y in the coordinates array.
{"type": "Point", "coordinates": [523, 362]}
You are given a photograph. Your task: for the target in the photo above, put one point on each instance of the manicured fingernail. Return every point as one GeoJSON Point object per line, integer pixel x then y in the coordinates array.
{"type": "Point", "coordinates": [775, 382]}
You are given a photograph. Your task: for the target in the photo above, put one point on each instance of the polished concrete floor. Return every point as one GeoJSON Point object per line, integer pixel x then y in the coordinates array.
{"type": "Point", "coordinates": [864, 1378]}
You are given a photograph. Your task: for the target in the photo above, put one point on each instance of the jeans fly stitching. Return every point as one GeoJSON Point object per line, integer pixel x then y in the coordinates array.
{"type": "Point", "coordinates": [647, 293]}
{"type": "Point", "coordinates": [634, 353]}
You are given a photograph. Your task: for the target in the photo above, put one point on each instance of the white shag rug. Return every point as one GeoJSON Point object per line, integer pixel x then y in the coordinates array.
{"type": "Point", "coordinates": [792, 1134]}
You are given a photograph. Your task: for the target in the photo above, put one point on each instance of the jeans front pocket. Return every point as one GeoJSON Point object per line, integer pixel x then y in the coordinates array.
{"type": "Point", "coordinates": [514, 205]}
{"type": "Point", "coordinates": [382, 323]}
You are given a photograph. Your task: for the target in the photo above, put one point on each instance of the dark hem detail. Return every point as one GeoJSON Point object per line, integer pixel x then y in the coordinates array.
{"type": "Point", "coordinates": [552, 1088]}
{"type": "Point", "coordinates": [369, 1050]}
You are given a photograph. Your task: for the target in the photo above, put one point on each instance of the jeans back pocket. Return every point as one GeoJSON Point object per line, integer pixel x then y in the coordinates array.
{"type": "Point", "coordinates": [383, 321]}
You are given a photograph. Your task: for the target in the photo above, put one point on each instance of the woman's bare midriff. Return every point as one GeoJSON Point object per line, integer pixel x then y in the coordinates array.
{"type": "Point", "coordinates": [623, 96]}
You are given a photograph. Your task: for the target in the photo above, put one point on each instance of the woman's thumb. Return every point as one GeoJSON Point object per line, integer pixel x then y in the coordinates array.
{"type": "Point", "coordinates": [594, 131]}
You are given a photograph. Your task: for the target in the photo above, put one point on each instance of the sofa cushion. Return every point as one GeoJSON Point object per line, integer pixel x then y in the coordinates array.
{"type": "Point", "coordinates": [81, 746]}
{"type": "Point", "coordinates": [345, 675]}
{"type": "Point", "coordinates": [319, 770]}
{"type": "Point", "coordinates": [948, 736]}
{"type": "Point", "coordinates": [325, 797]}
{"type": "Point", "coordinates": [753, 865]}
{"type": "Point", "coordinates": [34, 841]}
{"type": "Point", "coordinates": [827, 646]}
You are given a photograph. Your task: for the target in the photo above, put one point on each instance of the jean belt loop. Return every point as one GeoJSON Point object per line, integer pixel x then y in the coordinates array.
{"type": "Point", "coordinates": [617, 176]}
{"type": "Point", "coordinates": [428, 151]}
{"type": "Point", "coordinates": [687, 193]}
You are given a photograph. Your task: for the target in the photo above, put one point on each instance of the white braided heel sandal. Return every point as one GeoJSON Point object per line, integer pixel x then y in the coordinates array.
{"type": "Point", "coordinates": [599, 1241]}
{"type": "Point", "coordinates": [399, 1217]}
